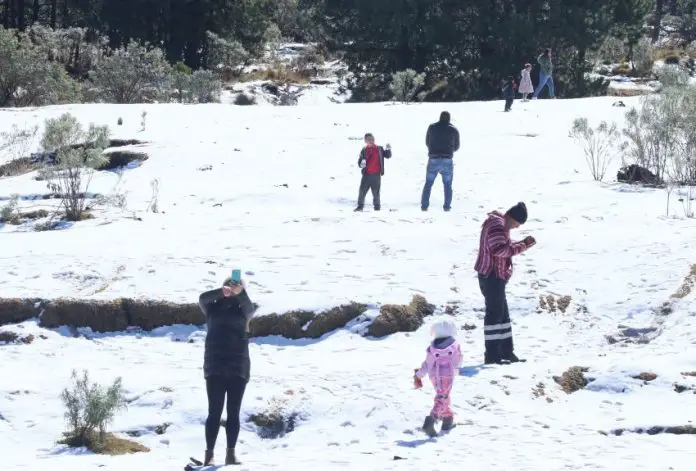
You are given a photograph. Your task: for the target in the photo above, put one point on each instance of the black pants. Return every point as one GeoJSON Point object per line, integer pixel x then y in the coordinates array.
{"type": "Point", "coordinates": [371, 182]}
{"type": "Point", "coordinates": [497, 329]}
{"type": "Point", "coordinates": [218, 387]}
{"type": "Point", "coordinates": [508, 103]}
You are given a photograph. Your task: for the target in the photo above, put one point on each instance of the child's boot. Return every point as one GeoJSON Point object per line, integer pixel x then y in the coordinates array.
{"type": "Point", "coordinates": [447, 424]}
{"type": "Point", "coordinates": [429, 426]}
{"type": "Point", "coordinates": [231, 457]}
{"type": "Point", "coordinates": [208, 459]}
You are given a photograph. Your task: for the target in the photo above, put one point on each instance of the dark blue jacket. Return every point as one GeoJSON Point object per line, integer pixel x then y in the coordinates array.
{"type": "Point", "coordinates": [442, 140]}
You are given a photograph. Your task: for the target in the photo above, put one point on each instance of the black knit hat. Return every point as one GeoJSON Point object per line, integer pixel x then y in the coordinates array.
{"type": "Point", "coordinates": [518, 212]}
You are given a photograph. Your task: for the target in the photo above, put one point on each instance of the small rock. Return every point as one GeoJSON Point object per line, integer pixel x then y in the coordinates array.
{"type": "Point", "coordinates": [645, 376]}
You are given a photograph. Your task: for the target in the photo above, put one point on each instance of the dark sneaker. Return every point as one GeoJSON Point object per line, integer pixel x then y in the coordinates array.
{"type": "Point", "coordinates": [359, 208]}
{"type": "Point", "coordinates": [447, 209]}
{"type": "Point", "coordinates": [515, 359]}
{"type": "Point", "coordinates": [429, 426]}
{"type": "Point", "coordinates": [377, 208]}
{"type": "Point", "coordinates": [424, 209]}
{"type": "Point", "coordinates": [447, 424]}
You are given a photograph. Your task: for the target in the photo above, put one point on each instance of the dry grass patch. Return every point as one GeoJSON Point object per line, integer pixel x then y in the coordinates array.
{"type": "Point", "coordinates": [284, 75]}
{"type": "Point", "coordinates": [15, 310]}
{"type": "Point", "coordinates": [689, 373]}
{"type": "Point", "coordinates": [400, 317]}
{"type": "Point", "coordinates": [276, 421]}
{"type": "Point", "coordinates": [18, 167]}
{"type": "Point", "coordinates": [149, 314]}
{"type": "Point", "coordinates": [573, 379]}
{"type": "Point", "coordinates": [552, 304]}
{"type": "Point", "coordinates": [22, 217]}
{"type": "Point", "coordinates": [100, 316]}
{"type": "Point", "coordinates": [687, 285]}
{"type": "Point", "coordinates": [645, 376]}
{"type": "Point", "coordinates": [305, 324]}
{"type": "Point", "coordinates": [104, 444]}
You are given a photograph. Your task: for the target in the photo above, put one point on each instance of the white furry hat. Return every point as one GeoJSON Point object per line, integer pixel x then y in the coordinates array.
{"type": "Point", "coordinates": [444, 328]}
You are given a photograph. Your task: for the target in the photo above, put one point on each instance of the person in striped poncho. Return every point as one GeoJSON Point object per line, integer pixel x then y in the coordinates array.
{"type": "Point", "coordinates": [494, 267]}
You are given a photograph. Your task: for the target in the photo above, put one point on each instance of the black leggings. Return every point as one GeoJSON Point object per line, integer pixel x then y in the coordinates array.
{"type": "Point", "coordinates": [218, 387]}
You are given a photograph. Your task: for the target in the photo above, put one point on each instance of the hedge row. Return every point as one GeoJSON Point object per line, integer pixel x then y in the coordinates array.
{"type": "Point", "coordinates": [119, 314]}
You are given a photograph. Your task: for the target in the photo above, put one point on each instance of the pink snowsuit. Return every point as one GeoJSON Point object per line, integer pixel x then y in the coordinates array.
{"type": "Point", "coordinates": [442, 362]}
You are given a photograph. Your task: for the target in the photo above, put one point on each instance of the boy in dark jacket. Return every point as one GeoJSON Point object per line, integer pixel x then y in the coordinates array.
{"type": "Point", "coordinates": [509, 90]}
{"type": "Point", "coordinates": [371, 161]}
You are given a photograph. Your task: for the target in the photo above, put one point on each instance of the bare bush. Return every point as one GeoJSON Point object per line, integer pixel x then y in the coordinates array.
{"type": "Point", "coordinates": [17, 142]}
{"type": "Point", "coordinates": [9, 212]}
{"type": "Point", "coordinates": [598, 144]}
{"type": "Point", "coordinates": [78, 154]}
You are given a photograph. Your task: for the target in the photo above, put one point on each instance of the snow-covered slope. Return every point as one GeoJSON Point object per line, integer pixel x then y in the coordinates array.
{"type": "Point", "coordinates": [272, 190]}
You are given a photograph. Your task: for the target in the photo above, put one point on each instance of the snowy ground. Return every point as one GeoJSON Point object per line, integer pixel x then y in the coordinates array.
{"type": "Point", "coordinates": [272, 190]}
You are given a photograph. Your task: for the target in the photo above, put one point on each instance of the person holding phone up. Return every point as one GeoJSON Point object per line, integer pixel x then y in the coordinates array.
{"type": "Point", "coordinates": [226, 365]}
{"type": "Point", "coordinates": [494, 267]}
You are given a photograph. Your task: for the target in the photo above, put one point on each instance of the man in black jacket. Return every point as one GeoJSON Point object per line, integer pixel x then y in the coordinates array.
{"type": "Point", "coordinates": [226, 364]}
{"type": "Point", "coordinates": [442, 140]}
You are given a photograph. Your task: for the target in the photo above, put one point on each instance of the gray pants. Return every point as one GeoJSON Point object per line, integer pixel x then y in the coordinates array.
{"type": "Point", "coordinates": [372, 183]}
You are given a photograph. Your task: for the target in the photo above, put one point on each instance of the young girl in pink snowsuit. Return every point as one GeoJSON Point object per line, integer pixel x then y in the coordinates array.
{"type": "Point", "coordinates": [442, 362]}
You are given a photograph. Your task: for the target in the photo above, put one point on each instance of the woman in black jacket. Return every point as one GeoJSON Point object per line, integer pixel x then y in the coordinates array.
{"type": "Point", "coordinates": [228, 311]}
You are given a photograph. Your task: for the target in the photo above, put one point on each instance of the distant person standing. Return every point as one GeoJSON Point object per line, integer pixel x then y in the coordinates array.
{"type": "Point", "coordinates": [526, 87]}
{"type": "Point", "coordinates": [545, 74]}
{"type": "Point", "coordinates": [494, 267]}
{"type": "Point", "coordinates": [371, 161]}
{"type": "Point", "coordinates": [442, 140]}
{"type": "Point", "coordinates": [509, 90]}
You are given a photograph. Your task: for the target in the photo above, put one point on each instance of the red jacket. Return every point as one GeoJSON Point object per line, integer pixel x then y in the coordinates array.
{"type": "Point", "coordinates": [383, 154]}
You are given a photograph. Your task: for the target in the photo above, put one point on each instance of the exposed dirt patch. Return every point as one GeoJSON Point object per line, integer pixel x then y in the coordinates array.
{"type": "Point", "coordinates": [125, 142]}
{"type": "Point", "coordinates": [22, 217]}
{"type": "Point", "coordinates": [122, 158]}
{"type": "Point", "coordinates": [104, 444]}
{"type": "Point", "coordinates": [540, 391]}
{"type": "Point", "coordinates": [655, 430]}
{"type": "Point", "coordinates": [682, 388]}
{"type": "Point", "coordinates": [12, 337]}
{"type": "Point", "coordinates": [573, 379]}
{"type": "Point", "coordinates": [645, 376]}
{"type": "Point", "coordinates": [400, 317]}
{"type": "Point", "coordinates": [689, 373]}
{"type": "Point", "coordinates": [277, 420]}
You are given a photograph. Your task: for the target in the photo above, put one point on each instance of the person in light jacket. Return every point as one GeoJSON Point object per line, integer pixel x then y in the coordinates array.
{"type": "Point", "coordinates": [226, 364]}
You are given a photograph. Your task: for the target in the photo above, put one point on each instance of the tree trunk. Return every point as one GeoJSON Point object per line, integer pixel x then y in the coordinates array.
{"type": "Point", "coordinates": [35, 11]}
{"type": "Point", "coordinates": [657, 21]}
{"type": "Point", "coordinates": [21, 19]}
{"type": "Point", "coordinates": [54, 9]}
{"type": "Point", "coordinates": [65, 20]}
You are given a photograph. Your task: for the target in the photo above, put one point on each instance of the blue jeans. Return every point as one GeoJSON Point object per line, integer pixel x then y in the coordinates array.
{"type": "Point", "coordinates": [436, 167]}
{"type": "Point", "coordinates": [543, 81]}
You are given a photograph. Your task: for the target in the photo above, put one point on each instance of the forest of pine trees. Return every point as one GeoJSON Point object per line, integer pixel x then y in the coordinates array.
{"type": "Point", "coordinates": [463, 46]}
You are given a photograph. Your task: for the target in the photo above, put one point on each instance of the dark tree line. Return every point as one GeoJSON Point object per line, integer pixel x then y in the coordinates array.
{"type": "Point", "coordinates": [463, 46]}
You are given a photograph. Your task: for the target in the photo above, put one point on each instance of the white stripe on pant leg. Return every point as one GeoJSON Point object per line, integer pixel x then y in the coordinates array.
{"type": "Point", "coordinates": [506, 335]}
{"type": "Point", "coordinates": [497, 326]}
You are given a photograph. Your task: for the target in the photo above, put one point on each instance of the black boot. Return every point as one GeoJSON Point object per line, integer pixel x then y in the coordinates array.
{"type": "Point", "coordinates": [515, 359]}
{"type": "Point", "coordinates": [359, 208]}
{"type": "Point", "coordinates": [231, 458]}
{"type": "Point", "coordinates": [429, 426]}
{"type": "Point", "coordinates": [447, 424]}
{"type": "Point", "coordinates": [377, 208]}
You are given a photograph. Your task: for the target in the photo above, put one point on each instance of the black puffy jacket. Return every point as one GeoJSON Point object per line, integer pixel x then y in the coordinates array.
{"type": "Point", "coordinates": [442, 140]}
{"type": "Point", "coordinates": [227, 343]}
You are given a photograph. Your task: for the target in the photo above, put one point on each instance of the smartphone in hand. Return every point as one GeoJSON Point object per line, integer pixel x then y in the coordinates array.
{"type": "Point", "coordinates": [236, 277]}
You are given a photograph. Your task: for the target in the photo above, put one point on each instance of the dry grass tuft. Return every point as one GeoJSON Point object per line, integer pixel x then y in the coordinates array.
{"type": "Point", "coordinates": [645, 376]}
{"type": "Point", "coordinates": [400, 317]}
{"type": "Point", "coordinates": [573, 379]}
{"type": "Point", "coordinates": [689, 373]}
{"type": "Point", "coordinates": [121, 158]}
{"type": "Point", "coordinates": [104, 444]}
{"type": "Point", "coordinates": [276, 421]}
{"type": "Point", "coordinates": [305, 324]}
{"type": "Point", "coordinates": [12, 337]}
